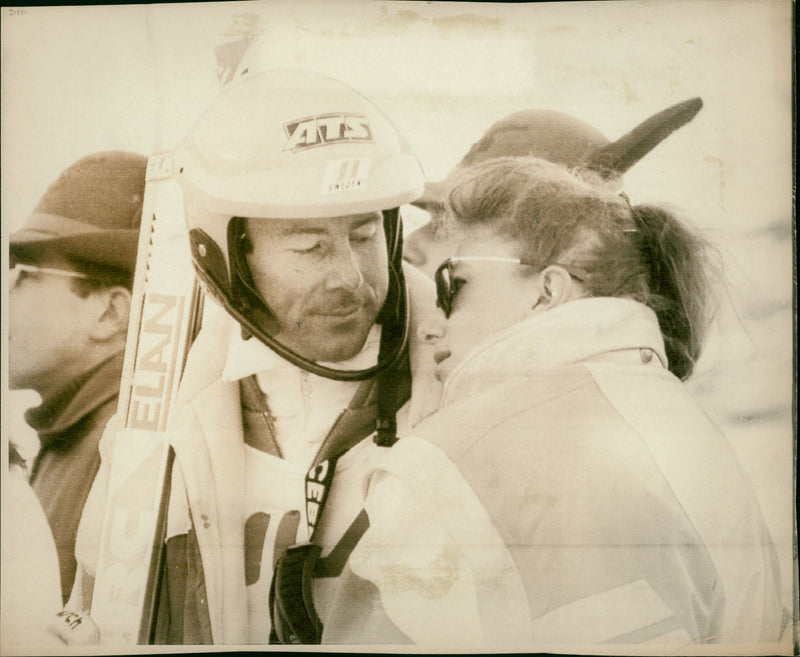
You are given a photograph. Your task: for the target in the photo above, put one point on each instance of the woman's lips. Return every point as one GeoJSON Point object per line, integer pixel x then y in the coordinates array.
{"type": "Point", "coordinates": [440, 356]}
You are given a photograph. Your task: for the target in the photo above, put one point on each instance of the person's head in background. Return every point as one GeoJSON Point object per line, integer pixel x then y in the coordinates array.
{"type": "Point", "coordinates": [72, 268]}
{"type": "Point", "coordinates": [536, 236]}
{"type": "Point", "coordinates": [549, 135]}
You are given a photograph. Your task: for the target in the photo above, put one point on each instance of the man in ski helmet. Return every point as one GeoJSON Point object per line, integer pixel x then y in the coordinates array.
{"type": "Point", "coordinates": [550, 135]}
{"type": "Point", "coordinates": [292, 184]}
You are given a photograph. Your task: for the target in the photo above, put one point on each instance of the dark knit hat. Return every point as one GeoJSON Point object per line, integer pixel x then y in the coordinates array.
{"type": "Point", "coordinates": [90, 214]}
{"type": "Point", "coordinates": [563, 139]}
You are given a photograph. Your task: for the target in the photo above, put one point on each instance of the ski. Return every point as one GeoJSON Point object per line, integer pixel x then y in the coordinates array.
{"type": "Point", "coordinates": [165, 317]}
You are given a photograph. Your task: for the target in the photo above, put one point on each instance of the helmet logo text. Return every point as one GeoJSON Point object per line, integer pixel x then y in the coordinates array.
{"type": "Point", "coordinates": [326, 129]}
{"type": "Point", "coordinates": [345, 175]}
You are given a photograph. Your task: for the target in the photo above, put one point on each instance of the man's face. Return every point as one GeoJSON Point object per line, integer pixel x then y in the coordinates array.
{"type": "Point", "coordinates": [49, 326]}
{"type": "Point", "coordinates": [325, 280]}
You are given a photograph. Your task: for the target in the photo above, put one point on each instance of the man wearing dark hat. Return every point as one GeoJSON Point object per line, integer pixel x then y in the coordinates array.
{"type": "Point", "coordinates": [72, 266]}
{"type": "Point", "coordinates": [549, 135]}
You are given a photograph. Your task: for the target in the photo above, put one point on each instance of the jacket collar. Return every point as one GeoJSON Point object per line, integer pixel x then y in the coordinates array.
{"type": "Point", "coordinates": [61, 411]}
{"type": "Point", "coordinates": [573, 332]}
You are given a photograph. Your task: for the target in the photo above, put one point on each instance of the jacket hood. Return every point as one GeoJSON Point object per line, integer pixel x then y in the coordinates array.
{"type": "Point", "coordinates": [571, 333]}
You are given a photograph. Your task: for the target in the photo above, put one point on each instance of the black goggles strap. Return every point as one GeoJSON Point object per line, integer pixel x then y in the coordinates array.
{"type": "Point", "coordinates": [318, 485]}
{"type": "Point", "coordinates": [294, 618]}
{"type": "Point", "coordinates": [291, 603]}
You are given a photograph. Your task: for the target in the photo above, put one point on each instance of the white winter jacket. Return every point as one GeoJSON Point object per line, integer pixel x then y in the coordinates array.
{"type": "Point", "coordinates": [626, 512]}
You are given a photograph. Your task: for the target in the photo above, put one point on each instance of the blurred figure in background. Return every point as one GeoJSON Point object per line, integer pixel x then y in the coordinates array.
{"type": "Point", "coordinates": [72, 267]}
{"type": "Point", "coordinates": [549, 135]}
{"type": "Point", "coordinates": [30, 590]}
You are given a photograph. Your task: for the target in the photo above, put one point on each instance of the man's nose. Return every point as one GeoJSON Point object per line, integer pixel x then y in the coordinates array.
{"type": "Point", "coordinates": [345, 271]}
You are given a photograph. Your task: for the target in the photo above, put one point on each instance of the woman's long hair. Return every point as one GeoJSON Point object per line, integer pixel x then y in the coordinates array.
{"type": "Point", "coordinates": [640, 252]}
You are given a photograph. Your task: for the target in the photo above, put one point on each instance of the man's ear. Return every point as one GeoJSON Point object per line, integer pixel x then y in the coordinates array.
{"type": "Point", "coordinates": [113, 318]}
{"type": "Point", "coordinates": [555, 287]}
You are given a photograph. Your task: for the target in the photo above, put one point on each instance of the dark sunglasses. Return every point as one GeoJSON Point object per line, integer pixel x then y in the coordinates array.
{"type": "Point", "coordinates": [447, 286]}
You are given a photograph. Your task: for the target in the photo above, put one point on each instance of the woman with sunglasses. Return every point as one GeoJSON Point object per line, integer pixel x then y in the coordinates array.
{"type": "Point", "coordinates": [572, 319]}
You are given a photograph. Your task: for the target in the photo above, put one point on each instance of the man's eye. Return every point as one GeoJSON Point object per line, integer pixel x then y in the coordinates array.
{"type": "Point", "coordinates": [307, 247]}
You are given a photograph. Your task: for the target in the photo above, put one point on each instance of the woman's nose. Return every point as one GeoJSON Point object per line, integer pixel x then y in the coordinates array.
{"type": "Point", "coordinates": [431, 331]}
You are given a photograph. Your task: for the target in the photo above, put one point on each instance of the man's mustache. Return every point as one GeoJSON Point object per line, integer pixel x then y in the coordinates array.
{"type": "Point", "coordinates": [335, 301]}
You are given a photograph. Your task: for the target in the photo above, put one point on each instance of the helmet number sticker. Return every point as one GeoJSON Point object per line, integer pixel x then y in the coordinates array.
{"type": "Point", "coordinates": [345, 175]}
{"type": "Point", "coordinates": [326, 129]}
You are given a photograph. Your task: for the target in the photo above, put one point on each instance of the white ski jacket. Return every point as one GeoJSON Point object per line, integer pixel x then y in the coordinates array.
{"type": "Point", "coordinates": [625, 509]}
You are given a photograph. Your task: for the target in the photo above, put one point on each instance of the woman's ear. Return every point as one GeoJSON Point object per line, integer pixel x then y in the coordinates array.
{"type": "Point", "coordinates": [112, 322]}
{"type": "Point", "coordinates": [555, 287]}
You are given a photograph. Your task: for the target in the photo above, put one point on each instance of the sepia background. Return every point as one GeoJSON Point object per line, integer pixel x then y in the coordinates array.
{"type": "Point", "coordinates": [81, 79]}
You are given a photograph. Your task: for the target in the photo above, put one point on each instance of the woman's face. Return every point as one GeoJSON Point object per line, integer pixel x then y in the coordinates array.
{"type": "Point", "coordinates": [487, 296]}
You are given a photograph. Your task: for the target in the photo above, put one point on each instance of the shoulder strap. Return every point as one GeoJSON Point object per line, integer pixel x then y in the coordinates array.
{"type": "Point", "coordinates": [294, 619]}
{"type": "Point", "coordinates": [371, 411]}
{"type": "Point", "coordinates": [375, 399]}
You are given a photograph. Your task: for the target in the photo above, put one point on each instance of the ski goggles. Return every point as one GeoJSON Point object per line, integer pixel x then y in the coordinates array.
{"type": "Point", "coordinates": [291, 602]}
{"type": "Point", "coordinates": [448, 285]}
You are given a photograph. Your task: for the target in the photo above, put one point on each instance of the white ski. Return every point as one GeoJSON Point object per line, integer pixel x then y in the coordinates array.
{"type": "Point", "coordinates": [165, 316]}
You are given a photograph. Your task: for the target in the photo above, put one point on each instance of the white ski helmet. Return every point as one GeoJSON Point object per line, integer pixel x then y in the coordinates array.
{"type": "Point", "coordinates": [289, 144]}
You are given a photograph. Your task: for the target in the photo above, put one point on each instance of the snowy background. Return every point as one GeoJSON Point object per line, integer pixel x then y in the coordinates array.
{"type": "Point", "coordinates": [81, 79]}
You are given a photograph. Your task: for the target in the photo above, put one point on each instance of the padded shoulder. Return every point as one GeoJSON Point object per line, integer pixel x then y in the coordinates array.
{"type": "Point", "coordinates": [207, 357]}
